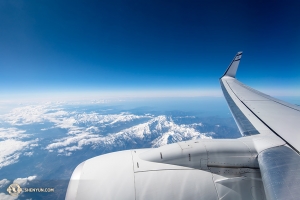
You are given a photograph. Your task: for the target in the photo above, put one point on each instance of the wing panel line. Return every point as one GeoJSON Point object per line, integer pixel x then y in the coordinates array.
{"type": "Point", "coordinates": [261, 94]}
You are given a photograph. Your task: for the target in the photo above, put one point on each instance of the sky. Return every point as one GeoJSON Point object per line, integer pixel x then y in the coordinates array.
{"type": "Point", "coordinates": [147, 48]}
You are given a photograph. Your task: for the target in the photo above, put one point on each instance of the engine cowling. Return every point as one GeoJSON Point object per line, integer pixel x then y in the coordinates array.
{"type": "Point", "coordinates": [202, 169]}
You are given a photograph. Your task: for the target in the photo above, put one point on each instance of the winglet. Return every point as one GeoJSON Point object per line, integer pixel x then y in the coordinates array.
{"type": "Point", "coordinates": [231, 70]}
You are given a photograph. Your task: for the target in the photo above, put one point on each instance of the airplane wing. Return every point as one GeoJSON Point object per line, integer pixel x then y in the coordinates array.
{"type": "Point", "coordinates": [264, 164]}
{"type": "Point", "coordinates": [256, 112]}
{"type": "Point", "coordinates": [259, 115]}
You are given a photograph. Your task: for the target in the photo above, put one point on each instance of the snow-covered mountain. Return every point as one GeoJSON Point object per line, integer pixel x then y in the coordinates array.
{"type": "Point", "coordinates": [156, 131]}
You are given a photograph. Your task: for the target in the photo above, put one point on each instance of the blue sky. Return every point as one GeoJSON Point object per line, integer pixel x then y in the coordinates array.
{"type": "Point", "coordinates": [146, 47]}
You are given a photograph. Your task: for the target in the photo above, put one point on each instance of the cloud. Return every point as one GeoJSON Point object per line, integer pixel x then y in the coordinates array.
{"type": "Point", "coordinates": [160, 127]}
{"type": "Point", "coordinates": [73, 148]}
{"type": "Point", "coordinates": [10, 150]}
{"type": "Point", "coordinates": [80, 136]}
{"type": "Point", "coordinates": [26, 115]}
{"type": "Point", "coordinates": [68, 154]}
{"type": "Point", "coordinates": [4, 182]}
{"type": "Point", "coordinates": [24, 181]}
{"type": "Point", "coordinates": [78, 139]}
{"type": "Point", "coordinates": [11, 145]}
{"type": "Point", "coordinates": [4, 196]}
{"type": "Point", "coordinates": [28, 153]}
{"type": "Point", "coordinates": [9, 133]}
{"type": "Point", "coordinates": [85, 128]}
{"type": "Point", "coordinates": [63, 119]}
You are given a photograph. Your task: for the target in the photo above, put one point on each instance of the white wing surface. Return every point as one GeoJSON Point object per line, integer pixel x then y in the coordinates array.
{"type": "Point", "coordinates": [257, 113]}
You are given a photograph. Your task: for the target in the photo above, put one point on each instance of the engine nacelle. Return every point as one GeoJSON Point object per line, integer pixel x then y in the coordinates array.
{"type": "Point", "coordinates": [202, 169]}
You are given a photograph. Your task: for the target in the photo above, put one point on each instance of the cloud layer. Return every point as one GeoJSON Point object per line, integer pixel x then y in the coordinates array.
{"type": "Point", "coordinates": [12, 145]}
{"type": "Point", "coordinates": [83, 129]}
